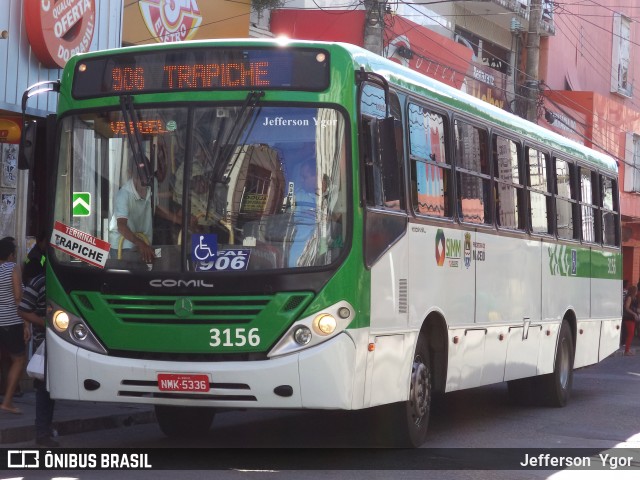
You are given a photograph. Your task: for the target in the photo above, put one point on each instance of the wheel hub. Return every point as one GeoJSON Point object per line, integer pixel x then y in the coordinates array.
{"type": "Point", "coordinates": [419, 394]}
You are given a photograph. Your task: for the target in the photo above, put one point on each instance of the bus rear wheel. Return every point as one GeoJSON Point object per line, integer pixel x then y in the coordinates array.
{"type": "Point", "coordinates": [182, 422]}
{"type": "Point", "coordinates": [554, 388]}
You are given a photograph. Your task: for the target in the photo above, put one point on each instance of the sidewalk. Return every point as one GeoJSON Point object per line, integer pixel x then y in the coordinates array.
{"type": "Point", "coordinates": [70, 417]}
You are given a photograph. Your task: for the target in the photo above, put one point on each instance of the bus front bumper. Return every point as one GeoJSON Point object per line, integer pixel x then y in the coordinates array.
{"type": "Point", "coordinates": [321, 377]}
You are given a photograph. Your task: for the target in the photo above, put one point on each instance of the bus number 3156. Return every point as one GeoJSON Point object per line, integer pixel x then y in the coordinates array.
{"type": "Point", "coordinates": [234, 337]}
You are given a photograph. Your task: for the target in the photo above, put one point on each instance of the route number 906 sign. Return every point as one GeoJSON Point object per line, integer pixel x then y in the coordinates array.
{"type": "Point", "coordinates": [226, 260]}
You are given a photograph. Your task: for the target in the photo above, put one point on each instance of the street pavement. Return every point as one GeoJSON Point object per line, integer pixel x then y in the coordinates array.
{"type": "Point", "coordinates": [71, 417]}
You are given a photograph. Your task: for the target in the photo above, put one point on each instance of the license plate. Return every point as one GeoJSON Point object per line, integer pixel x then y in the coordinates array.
{"type": "Point", "coordinates": [183, 382]}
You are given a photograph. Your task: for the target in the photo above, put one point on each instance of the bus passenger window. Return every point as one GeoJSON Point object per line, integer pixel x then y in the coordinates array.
{"type": "Point", "coordinates": [538, 190]}
{"type": "Point", "coordinates": [565, 200]}
{"type": "Point", "coordinates": [610, 213]}
{"type": "Point", "coordinates": [383, 172]}
{"type": "Point", "coordinates": [587, 207]}
{"type": "Point", "coordinates": [508, 183]}
{"type": "Point", "coordinates": [430, 168]}
{"type": "Point", "coordinates": [474, 182]}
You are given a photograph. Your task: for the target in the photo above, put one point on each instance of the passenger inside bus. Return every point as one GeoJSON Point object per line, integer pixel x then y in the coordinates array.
{"type": "Point", "coordinates": [130, 228]}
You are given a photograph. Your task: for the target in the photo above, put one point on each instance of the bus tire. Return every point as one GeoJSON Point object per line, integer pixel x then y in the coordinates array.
{"type": "Point", "coordinates": [554, 389]}
{"type": "Point", "coordinates": [410, 419]}
{"type": "Point", "coordinates": [183, 422]}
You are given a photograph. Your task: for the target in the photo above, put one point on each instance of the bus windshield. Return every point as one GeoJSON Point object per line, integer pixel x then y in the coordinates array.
{"type": "Point", "coordinates": [206, 188]}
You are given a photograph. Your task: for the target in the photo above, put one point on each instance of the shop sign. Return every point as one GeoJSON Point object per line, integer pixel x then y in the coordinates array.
{"type": "Point", "coordinates": [178, 20]}
{"type": "Point", "coordinates": [487, 84]}
{"type": "Point", "coordinates": [9, 131]}
{"type": "Point", "coordinates": [58, 29]}
{"type": "Point", "coordinates": [171, 20]}
{"type": "Point", "coordinates": [427, 52]}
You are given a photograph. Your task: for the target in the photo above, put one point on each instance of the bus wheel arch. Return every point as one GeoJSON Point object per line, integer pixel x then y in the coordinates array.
{"type": "Point", "coordinates": [428, 369]}
{"type": "Point", "coordinates": [434, 329]}
{"type": "Point", "coordinates": [570, 318]}
{"type": "Point", "coordinates": [554, 389]}
{"type": "Point", "coordinates": [407, 422]}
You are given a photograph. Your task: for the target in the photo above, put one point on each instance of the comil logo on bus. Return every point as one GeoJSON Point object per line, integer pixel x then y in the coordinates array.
{"type": "Point", "coordinates": [171, 20]}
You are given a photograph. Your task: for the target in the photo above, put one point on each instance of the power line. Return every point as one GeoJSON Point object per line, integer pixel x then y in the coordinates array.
{"type": "Point", "coordinates": [515, 69]}
{"type": "Point", "coordinates": [411, 5]}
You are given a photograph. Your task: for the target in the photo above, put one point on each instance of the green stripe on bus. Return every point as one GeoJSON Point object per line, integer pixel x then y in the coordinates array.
{"type": "Point", "coordinates": [574, 261]}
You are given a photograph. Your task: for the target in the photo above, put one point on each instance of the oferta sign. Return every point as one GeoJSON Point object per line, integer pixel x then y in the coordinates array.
{"type": "Point", "coordinates": [171, 21]}
{"type": "Point", "coordinates": [58, 29]}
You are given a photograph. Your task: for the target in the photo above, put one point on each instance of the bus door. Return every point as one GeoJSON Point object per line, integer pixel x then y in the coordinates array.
{"type": "Point", "coordinates": [385, 217]}
{"type": "Point", "coordinates": [385, 243]}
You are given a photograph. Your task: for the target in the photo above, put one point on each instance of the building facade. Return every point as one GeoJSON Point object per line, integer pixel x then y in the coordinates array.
{"type": "Point", "coordinates": [586, 66]}
{"type": "Point", "coordinates": [475, 46]}
{"type": "Point", "coordinates": [36, 39]}
{"type": "Point", "coordinates": [588, 71]}
{"type": "Point", "coordinates": [581, 81]}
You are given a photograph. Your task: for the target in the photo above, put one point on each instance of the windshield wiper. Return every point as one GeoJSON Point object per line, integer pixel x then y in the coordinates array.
{"type": "Point", "coordinates": [244, 116]}
{"type": "Point", "coordinates": [222, 155]}
{"type": "Point", "coordinates": [143, 164]}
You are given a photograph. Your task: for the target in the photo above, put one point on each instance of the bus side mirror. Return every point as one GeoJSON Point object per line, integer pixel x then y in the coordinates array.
{"type": "Point", "coordinates": [26, 154]}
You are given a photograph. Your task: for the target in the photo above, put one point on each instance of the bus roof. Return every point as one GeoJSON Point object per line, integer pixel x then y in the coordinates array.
{"type": "Point", "coordinates": [409, 79]}
{"type": "Point", "coordinates": [463, 102]}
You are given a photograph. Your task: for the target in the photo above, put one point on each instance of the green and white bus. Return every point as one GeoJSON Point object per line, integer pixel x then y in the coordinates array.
{"type": "Point", "coordinates": [311, 226]}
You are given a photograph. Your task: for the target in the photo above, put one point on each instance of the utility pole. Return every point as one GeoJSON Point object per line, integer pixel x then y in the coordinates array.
{"type": "Point", "coordinates": [373, 26]}
{"type": "Point", "coordinates": [533, 60]}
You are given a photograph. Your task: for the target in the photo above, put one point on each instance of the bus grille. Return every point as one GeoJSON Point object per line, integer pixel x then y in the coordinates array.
{"type": "Point", "coordinates": [163, 310]}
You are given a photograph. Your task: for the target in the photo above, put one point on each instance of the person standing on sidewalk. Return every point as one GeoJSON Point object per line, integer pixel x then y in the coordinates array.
{"type": "Point", "coordinates": [32, 309]}
{"type": "Point", "coordinates": [34, 263]}
{"type": "Point", "coordinates": [630, 317]}
{"type": "Point", "coordinates": [13, 332]}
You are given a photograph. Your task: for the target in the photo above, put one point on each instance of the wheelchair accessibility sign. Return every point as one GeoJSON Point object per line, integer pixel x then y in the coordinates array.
{"type": "Point", "coordinates": [204, 247]}
{"type": "Point", "coordinates": [207, 258]}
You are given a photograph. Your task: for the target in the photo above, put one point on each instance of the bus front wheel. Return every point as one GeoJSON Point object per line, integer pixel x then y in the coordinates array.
{"type": "Point", "coordinates": [410, 419]}
{"type": "Point", "coordinates": [182, 422]}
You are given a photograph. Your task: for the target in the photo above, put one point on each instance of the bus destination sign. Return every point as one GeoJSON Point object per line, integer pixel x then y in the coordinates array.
{"type": "Point", "coordinates": [193, 69]}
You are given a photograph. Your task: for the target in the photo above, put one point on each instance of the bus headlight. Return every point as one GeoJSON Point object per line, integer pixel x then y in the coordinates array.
{"type": "Point", "coordinates": [314, 329]}
{"type": "Point", "coordinates": [60, 320]}
{"type": "Point", "coordinates": [324, 324]}
{"type": "Point", "coordinates": [80, 331]}
{"type": "Point", "coordinates": [72, 328]}
{"type": "Point", "coordinates": [302, 335]}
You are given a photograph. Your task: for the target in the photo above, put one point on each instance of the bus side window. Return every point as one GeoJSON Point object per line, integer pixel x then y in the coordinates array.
{"type": "Point", "coordinates": [610, 211]}
{"type": "Point", "coordinates": [540, 198]}
{"type": "Point", "coordinates": [508, 183]}
{"type": "Point", "coordinates": [588, 194]}
{"type": "Point", "coordinates": [473, 174]}
{"type": "Point", "coordinates": [382, 149]}
{"type": "Point", "coordinates": [430, 166]}
{"type": "Point", "coordinates": [566, 200]}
